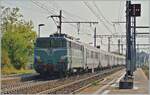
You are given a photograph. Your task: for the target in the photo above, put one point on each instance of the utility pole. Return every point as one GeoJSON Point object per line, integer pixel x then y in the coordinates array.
{"type": "Point", "coordinates": [124, 83]}
{"type": "Point", "coordinates": [77, 22]}
{"type": "Point", "coordinates": [128, 37]}
{"type": "Point", "coordinates": [134, 41]}
{"type": "Point", "coordinates": [85, 22]}
{"type": "Point", "coordinates": [108, 44]}
{"type": "Point", "coordinates": [60, 20]}
{"type": "Point", "coordinates": [132, 10]}
{"type": "Point", "coordinates": [95, 37]}
{"type": "Point", "coordinates": [119, 46]}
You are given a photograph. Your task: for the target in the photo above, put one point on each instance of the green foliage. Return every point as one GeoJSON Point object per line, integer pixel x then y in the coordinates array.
{"type": "Point", "coordinates": [5, 58]}
{"type": "Point", "coordinates": [17, 40]}
{"type": "Point", "coordinates": [16, 47]}
{"type": "Point", "coordinates": [11, 15]}
{"type": "Point", "coordinates": [95, 83]}
{"type": "Point", "coordinates": [8, 69]}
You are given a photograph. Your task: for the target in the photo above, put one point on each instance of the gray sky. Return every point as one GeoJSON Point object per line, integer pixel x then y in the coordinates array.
{"type": "Point", "coordinates": [78, 11]}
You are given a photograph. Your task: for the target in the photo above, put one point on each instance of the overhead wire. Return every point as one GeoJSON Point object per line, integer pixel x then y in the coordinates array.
{"type": "Point", "coordinates": [49, 11]}
{"type": "Point", "coordinates": [66, 12]}
{"type": "Point", "coordinates": [53, 10]}
{"type": "Point", "coordinates": [70, 15]}
{"type": "Point", "coordinates": [120, 10]}
{"type": "Point", "coordinates": [100, 12]}
{"type": "Point", "coordinates": [85, 3]}
{"type": "Point", "coordinates": [42, 7]}
{"type": "Point", "coordinates": [101, 19]}
{"type": "Point", "coordinates": [119, 17]}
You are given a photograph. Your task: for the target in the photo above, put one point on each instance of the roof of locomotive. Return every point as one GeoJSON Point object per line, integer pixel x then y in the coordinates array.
{"type": "Point", "coordinates": [56, 35]}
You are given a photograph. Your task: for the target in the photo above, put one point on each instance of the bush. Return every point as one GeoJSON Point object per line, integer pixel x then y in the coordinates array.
{"type": "Point", "coordinates": [8, 69]}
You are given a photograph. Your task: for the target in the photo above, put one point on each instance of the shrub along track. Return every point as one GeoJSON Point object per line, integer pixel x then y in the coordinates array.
{"type": "Point", "coordinates": [64, 85]}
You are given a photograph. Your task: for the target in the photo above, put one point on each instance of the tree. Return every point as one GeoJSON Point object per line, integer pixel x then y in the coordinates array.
{"type": "Point", "coordinates": [18, 38]}
{"type": "Point", "coordinates": [16, 47]}
{"type": "Point", "coordinates": [10, 16]}
{"type": "Point", "coordinates": [5, 58]}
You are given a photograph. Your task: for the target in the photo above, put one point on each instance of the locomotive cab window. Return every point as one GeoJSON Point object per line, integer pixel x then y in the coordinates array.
{"type": "Point", "coordinates": [56, 43]}
{"type": "Point", "coordinates": [42, 43]}
{"type": "Point", "coordinates": [50, 43]}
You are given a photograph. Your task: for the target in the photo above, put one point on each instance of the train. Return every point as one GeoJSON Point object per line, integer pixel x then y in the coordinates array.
{"type": "Point", "coordinates": [62, 54]}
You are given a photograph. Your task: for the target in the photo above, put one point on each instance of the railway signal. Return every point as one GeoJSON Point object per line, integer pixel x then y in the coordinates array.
{"type": "Point", "coordinates": [135, 10]}
{"type": "Point", "coordinates": [132, 11]}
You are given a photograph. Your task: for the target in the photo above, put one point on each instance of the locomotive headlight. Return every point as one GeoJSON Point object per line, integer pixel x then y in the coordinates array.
{"type": "Point", "coordinates": [62, 59]}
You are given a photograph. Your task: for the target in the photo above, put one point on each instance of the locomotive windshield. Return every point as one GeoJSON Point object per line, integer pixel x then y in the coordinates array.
{"type": "Point", "coordinates": [55, 43]}
{"type": "Point", "coordinates": [42, 42]}
{"type": "Point", "coordinates": [50, 42]}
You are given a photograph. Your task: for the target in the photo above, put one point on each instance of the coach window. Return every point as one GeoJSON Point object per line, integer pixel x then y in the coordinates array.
{"type": "Point", "coordinates": [87, 53]}
{"type": "Point", "coordinates": [106, 57]}
{"type": "Point", "coordinates": [91, 54]}
{"type": "Point", "coordinates": [96, 56]}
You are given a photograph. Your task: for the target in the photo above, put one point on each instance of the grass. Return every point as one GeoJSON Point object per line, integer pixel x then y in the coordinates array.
{"type": "Point", "coordinates": [146, 70]}
{"type": "Point", "coordinates": [24, 71]}
{"type": "Point", "coordinates": [95, 83]}
{"type": "Point", "coordinates": [11, 70]}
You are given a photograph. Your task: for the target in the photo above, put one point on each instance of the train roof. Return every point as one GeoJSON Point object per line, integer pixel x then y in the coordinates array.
{"type": "Point", "coordinates": [56, 35]}
{"type": "Point", "coordinates": [73, 39]}
{"type": "Point", "coordinates": [96, 49]}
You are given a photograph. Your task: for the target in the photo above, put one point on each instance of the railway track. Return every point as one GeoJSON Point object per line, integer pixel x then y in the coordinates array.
{"type": "Point", "coordinates": [41, 85]}
{"type": "Point", "coordinates": [9, 86]}
{"type": "Point", "coordinates": [15, 75]}
{"type": "Point", "coordinates": [72, 87]}
{"type": "Point", "coordinates": [10, 82]}
{"type": "Point", "coordinates": [64, 85]}
{"type": "Point", "coordinates": [15, 79]}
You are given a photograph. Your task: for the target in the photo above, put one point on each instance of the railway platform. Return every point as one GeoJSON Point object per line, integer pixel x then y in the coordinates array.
{"type": "Point", "coordinates": [141, 85]}
{"type": "Point", "coordinates": [110, 85]}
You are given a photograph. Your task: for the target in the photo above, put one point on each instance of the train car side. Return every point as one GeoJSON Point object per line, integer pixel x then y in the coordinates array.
{"type": "Point", "coordinates": [61, 55]}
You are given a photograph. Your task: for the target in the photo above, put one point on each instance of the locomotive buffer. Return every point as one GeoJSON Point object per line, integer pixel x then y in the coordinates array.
{"type": "Point", "coordinates": [132, 11]}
